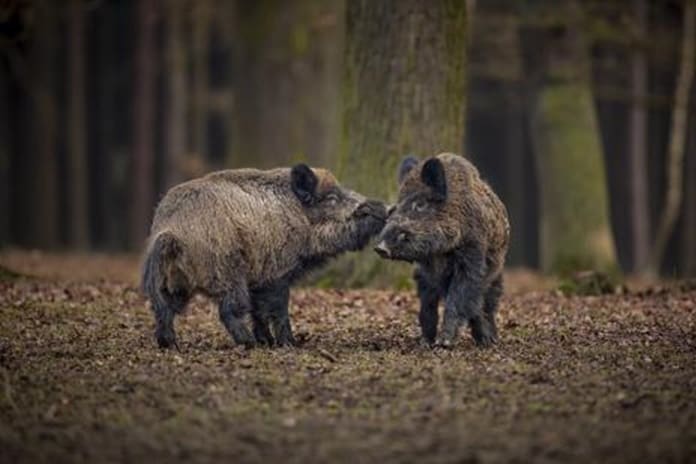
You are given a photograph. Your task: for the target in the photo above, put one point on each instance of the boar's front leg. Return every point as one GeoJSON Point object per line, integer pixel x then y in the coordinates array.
{"type": "Point", "coordinates": [429, 295]}
{"type": "Point", "coordinates": [271, 305]}
{"type": "Point", "coordinates": [464, 300]}
{"type": "Point", "coordinates": [280, 316]}
{"type": "Point", "coordinates": [233, 308]}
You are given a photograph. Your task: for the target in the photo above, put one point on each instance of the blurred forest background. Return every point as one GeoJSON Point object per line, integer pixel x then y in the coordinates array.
{"type": "Point", "coordinates": [581, 114]}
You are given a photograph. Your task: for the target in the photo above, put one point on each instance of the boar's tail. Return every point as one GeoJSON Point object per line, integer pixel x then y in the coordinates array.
{"type": "Point", "coordinates": [162, 279]}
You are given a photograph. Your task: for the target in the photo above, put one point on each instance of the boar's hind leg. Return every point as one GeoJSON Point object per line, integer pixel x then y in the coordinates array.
{"type": "Point", "coordinates": [262, 332]}
{"type": "Point", "coordinates": [464, 299]}
{"type": "Point", "coordinates": [234, 306]}
{"type": "Point", "coordinates": [429, 296]}
{"type": "Point", "coordinates": [490, 303]}
{"type": "Point", "coordinates": [165, 306]}
{"type": "Point", "coordinates": [281, 318]}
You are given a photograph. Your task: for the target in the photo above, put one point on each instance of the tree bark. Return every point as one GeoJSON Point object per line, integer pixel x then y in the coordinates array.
{"type": "Point", "coordinates": [142, 199]}
{"type": "Point", "coordinates": [638, 142]}
{"type": "Point", "coordinates": [286, 98]}
{"type": "Point", "coordinates": [403, 92]}
{"type": "Point", "coordinates": [77, 159]}
{"type": "Point", "coordinates": [677, 139]}
{"type": "Point", "coordinates": [404, 87]}
{"type": "Point", "coordinates": [176, 86]}
{"type": "Point", "coordinates": [575, 228]}
{"type": "Point", "coordinates": [202, 11]}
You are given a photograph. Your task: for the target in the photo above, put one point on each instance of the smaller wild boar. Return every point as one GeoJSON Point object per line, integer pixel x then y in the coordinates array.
{"type": "Point", "coordinates": [449, 222]}
{"type": "Point", "coordinates": [242, 237]}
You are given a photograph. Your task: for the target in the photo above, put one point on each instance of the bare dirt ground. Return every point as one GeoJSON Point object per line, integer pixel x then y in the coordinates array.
{"type": "Point", "coordinates": [574, 379]}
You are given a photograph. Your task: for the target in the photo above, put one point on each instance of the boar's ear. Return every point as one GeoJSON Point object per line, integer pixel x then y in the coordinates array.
{"type": "Point", "coordinates": [407, 164]}
{"type": "Point", "coordinates": [304, 183]}
{"type": "Point", "coordinates": [433, 175]}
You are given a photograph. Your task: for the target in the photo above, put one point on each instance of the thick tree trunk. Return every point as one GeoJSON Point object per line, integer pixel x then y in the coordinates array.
{"type": "Point", "coordinates": [575, 229]}
{"type": "Point", "coordinates": [638, 143]}
{"type": "Point", "coordinates": [404, 87]}
{"type": "Point", "coordinates": [202, 11]}
{"type": "Point", "coordinates": [495, 76]}
{"type": "Point", "coordinates": [403, 92]}
{"type": "Point", "coordinates": [677, 139]}
{"type": "Point", "coordinates": [142, 199]}
{"type": "Point", "coordinates": [176, 149]}
{"type": "Point", "coordinates": [286, 98]}
{"type": "Point", "coordinates": [107, 216]}
{"type": "Point", "coordinates": [77, 159]}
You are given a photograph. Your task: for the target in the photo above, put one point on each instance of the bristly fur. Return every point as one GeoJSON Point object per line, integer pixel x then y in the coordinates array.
{"type": "Point", "coordinates": [452, 225]}
{"type": "Point", "coordinates": [244, 235]}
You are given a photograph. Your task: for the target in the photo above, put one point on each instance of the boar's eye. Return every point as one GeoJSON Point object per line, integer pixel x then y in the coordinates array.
{"type": "Point", "coordinates": [418, 206]}
{"type": "Point", "coordinates": [331, 199]}
{"type": "Point", "coordinates": [401, 237]}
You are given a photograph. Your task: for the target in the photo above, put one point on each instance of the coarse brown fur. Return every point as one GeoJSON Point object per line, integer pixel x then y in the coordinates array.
{"type": "Point", "coordinates": [450, 222]}
{"type": "Point", "coordinates": [243, 236]}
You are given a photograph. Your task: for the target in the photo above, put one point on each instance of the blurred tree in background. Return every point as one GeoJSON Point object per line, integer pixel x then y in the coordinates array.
{"type": "Point", "coordinates": [575, 231]}
{"type": "Point", "coordinates": [579, 113]}
{"type": "Point", "coordinates": [403, 93]}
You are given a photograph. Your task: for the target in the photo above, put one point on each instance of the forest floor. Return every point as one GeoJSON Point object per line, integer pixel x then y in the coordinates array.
{"type": "Point", "coordinates": [574, 379]}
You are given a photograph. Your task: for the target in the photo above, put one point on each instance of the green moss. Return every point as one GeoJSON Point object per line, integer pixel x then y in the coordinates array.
{"type": "Point", "coordinates": [575, 225]}
{"type": "Point", "coordinates": [300, 39]}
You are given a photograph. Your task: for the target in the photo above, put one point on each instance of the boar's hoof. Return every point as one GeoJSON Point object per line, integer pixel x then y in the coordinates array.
{"type": "Point", "coordinates": [444, 342]}
{"type": "Point", "coordinates": [166, 339]}
{"type": "Point", "coordinates": [485, 340]}
{"type": "Point", "coordinates": [425, 343]}
{"type": "Point", "coordinates": [287, 341]}
{"type": "Point", "coordinates": [263, 336]}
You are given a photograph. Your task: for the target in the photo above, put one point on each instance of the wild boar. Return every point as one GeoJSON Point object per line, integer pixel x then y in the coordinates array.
{"type": "Point", "coordinates": [450, 222]}
{"type": "Point", "coordinates": [242, 237]}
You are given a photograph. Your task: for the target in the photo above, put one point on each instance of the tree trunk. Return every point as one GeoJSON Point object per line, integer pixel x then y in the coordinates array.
{"type": "Point", "coordinates": [202, 11]}
{"type": "Point", "coordinates": [575, 229]}
{"type": "Point", "coordinates": [638, 143]}
{"type": "Point", "coordinates": [5, 151]}
{"type": "Point", "coordinates": [142, 199]}
{"type": "Point", "coordinates": [496, 120]}
{"type": "Point", "coordinates": [286, 98]}
{"type": "Point", "coordinates": [44, 210]}
{"type": "Point", "coordinates": [688, 252]}
{"type": "Point", "coordinates": [404, 87]}
{"type": "Point", "coordinates": [677, 139]}
{"type": "Point", "coordinates": [403, 92]}
{"type": "Point", "coordinates": [77, 185]}
{"type": "Point", "coordinates": [176, 115]}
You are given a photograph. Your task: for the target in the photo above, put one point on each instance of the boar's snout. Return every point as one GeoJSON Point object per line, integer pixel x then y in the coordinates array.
{"type": "Point", "coordinates": [382, 249]}
{"type": "Point", "coordinates": [373, 208]}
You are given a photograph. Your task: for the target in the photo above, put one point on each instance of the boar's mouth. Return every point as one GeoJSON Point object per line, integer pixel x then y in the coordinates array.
{"type": "Point", "coordinates": [371, 209]}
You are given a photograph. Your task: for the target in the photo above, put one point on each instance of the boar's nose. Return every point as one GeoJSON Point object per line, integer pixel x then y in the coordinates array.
{"type": "Point", "coordinates": [382, 249]}
{"type": "Point", "coordinates": [372, 208]}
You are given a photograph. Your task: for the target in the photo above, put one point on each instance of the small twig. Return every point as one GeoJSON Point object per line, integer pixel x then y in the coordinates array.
{"type": "Point", "coordinates": [325, 354]}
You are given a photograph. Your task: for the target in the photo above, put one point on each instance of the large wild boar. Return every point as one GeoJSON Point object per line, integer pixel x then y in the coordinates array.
{"type": "Point", "coordinates": [242, 237]}
{"type": "Point", "coordinates": [449, 222]}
